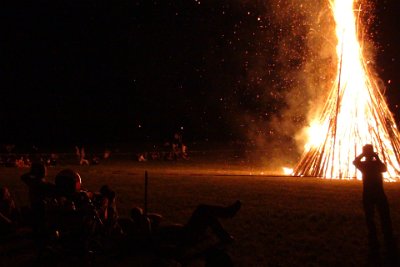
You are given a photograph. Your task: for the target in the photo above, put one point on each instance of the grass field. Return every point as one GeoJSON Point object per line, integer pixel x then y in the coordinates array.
{"type": "Point", "coordinates": [284, 221]}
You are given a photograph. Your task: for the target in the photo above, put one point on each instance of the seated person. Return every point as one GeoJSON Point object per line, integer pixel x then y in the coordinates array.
{"type": "Point", "coordinates": [40, 191]}
{"type": "Point", "coordinates": [73, 211]}
{"type": "Point", "coordinates": [105, 203]}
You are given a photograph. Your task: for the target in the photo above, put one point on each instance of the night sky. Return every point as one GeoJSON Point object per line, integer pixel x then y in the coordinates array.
{"type": "Point", "coordinates": [138, 71]}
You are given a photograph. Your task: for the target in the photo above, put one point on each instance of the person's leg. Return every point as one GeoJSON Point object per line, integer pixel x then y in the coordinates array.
{"type": "Point", "coordinates": [386, 223]}
{"type": "Point", "coordinates": [217, 211]}
{"type": "Point", "coordinates": [373, 243]}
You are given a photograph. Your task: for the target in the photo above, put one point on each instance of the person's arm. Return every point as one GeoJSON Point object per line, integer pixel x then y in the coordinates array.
{"type": "Point", "coordinates": [382, 166]}
{"type": "Point", "coordinates": [357, 160]}
{"type": "Point", "coordinates": [5, 219]}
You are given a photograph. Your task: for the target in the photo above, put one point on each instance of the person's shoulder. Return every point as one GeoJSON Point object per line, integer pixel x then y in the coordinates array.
{"type": "Point", "coordinates": [82, 198]}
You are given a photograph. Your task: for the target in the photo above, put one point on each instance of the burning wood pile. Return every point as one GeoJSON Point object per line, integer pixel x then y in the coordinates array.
{"type": "Point", "coordinates": [354, 114]}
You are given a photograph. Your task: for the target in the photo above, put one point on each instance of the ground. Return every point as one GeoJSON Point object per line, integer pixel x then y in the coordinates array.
{"type": "Point", "coordinates": [284, 221]}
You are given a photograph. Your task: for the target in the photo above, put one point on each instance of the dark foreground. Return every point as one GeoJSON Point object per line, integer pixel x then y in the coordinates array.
{"type": "Point", "coordinates": [284, 221]}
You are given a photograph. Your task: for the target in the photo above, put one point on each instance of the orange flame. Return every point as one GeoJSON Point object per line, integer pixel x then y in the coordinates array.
{"type": "Point", "coordinates": [287, 171]}
{"type": "Point", "coordinates": [355, 113]}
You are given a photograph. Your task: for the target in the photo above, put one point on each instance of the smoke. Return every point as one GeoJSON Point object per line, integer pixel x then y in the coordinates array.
{"type": "Point", "coordinates": [298, 70]}
{"type": "Point", "coordinates": [311, 78]}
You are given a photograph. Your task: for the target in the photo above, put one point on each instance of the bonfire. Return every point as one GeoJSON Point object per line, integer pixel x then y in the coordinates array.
{"type": "Point", "coordinates": [355, 112]}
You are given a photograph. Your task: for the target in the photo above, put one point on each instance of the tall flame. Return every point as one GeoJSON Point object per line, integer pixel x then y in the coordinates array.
{"type": "Point", "coordinates": [355, 113]}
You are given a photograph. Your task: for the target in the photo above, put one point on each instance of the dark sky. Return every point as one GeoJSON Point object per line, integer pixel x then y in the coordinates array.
{"type": "Point", "coordinates": [116, 71]}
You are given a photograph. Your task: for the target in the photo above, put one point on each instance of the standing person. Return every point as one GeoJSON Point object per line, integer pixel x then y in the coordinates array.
{"type": "Point", "coordinates": [374, 196]}
{"type": "Point", "coordinates": [81, 155]}
{"type": "Point", "coordinates": [39, 191]}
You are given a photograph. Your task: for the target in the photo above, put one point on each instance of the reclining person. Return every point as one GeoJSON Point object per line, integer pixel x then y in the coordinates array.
{"type": "Point", "coordinates": [204, 217]}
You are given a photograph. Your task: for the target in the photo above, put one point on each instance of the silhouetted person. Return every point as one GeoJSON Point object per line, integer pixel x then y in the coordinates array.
{"type": "Point", "coordinates": [203, 218]}
{"type": "Point", "coordinates": [40, 191]}
{"type": "Point", "coordinates": [191, 240]}
{"type": "Point", "coordinates": [374, 197]}
{"type": "Point", "coordinates": [81, 155]}
{"type": "Point", "coordinates": [206, 216]}
{"type": "Point", "coordinates": [8, 212]}
{"type": "Point", "coordinates": [137, 227]}
{"type": "Point", "coordinates": [105, 203]}
{"type": "Point", "coordinates": [75, 217]}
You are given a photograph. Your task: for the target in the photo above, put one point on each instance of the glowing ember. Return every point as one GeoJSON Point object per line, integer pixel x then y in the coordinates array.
{"type": "Point", "coordinates": [355, 112]}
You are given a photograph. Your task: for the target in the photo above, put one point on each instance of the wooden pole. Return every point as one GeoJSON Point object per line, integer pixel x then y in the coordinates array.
{"type": "Point", "coordinates": [337, 105]}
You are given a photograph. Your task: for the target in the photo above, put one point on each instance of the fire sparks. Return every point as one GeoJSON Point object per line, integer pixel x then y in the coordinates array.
{"type": "Point", "coordinates": [355, 112]}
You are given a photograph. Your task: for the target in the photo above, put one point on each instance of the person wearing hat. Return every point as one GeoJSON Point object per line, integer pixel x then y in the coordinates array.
{"type": "Point", "coordinates": [372, 169]}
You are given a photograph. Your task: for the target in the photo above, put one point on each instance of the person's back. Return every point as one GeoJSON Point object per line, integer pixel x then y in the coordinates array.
{"type": "Point", "coordinates": [70, 195]}
{"type": "Point", "coordinates": [73, 217]}
{"type": "Point", "coordinates": [40, 191]}
{"type": "Point", "coordinates": [371, 168]}
{"type": "Point", "coordinates": [39, 188]}
{"type": "Point", "coordinates": [106, 206]}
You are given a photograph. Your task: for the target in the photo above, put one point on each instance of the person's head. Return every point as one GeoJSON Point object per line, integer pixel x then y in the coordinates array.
{"type": "Point", "coordinates": [368, 150]}
{"type": "Point", "coordinates": [38, 170]}
{"type": "Point", "coordinates": [106, 191]}
{"type": "Point", "coordinates": [136, 213]}
{"type": "Point", "coordinates": [4, 193]}
{"type": "Point", "coordinates": [68, 182]}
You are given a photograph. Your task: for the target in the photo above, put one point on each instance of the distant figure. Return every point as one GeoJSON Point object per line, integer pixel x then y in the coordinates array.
{"type": "Point", "coordinates": [81, 155]}
{"type": "Point", "coordinates": [184, 152]}
{"type": "Point", "coordinates": [374, 196]}
{"type": "Point", "coordinates": [106, 154]}
{"type": "Point", "coordinates": [142, 157]}
{"type": "Point", "coordinates": [78, 153]}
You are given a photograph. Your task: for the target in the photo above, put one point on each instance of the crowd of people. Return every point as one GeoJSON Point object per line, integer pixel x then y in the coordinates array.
{"type": "Point", "coordinates": [63, 212]}
{"type": "Point", "coordinates": [172, 150]}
